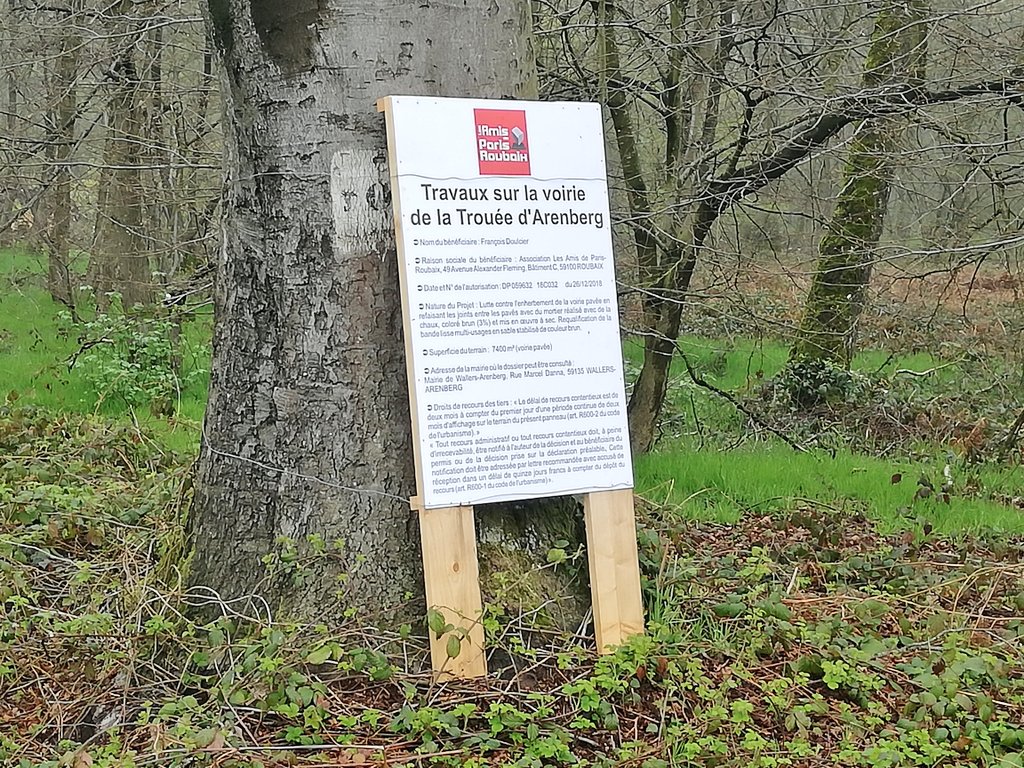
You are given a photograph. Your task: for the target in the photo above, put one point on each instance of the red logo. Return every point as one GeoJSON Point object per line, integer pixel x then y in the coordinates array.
{"type": "Point", "coordinates": [502, 146]}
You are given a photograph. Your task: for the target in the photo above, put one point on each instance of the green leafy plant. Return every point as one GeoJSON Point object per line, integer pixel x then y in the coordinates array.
{"type": "Point", "coordinates": [130, 356]}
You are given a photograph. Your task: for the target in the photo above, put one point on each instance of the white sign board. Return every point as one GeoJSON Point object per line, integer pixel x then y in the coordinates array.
{"type": "Point", "coordinates": [508, 289]}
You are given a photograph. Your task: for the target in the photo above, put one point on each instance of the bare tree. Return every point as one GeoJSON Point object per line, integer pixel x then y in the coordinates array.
{"type": "Point", "coordinates": [120, 259]}
{"type": "Point", "coordinates": [846, 254]}
{"type": "Point", "coordinates": [63, 117]}
{"type": "Point", "coordinates": [110, 149]}
{"type": "Point", "coordinates": [770, 86]}
{"type": "Point", "coordinates": [8, 200]}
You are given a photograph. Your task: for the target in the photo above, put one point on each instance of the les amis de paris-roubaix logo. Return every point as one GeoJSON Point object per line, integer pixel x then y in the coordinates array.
{"type": "Point", "coordinates": [502, 146]}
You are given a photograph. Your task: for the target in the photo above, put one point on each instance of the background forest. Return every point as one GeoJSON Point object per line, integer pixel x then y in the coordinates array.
{"type": "Point", "coordinates": [819, 225]}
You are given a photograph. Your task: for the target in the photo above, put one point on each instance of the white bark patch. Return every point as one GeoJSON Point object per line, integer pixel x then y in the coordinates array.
{"type": "Point", "coordinates": [355, 181]}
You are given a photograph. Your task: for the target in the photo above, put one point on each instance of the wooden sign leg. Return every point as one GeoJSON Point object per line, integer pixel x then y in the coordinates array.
{"type": "Point", "coordinates": [452, 580]}
{"type": "Point", "coordinates": [614, 567]}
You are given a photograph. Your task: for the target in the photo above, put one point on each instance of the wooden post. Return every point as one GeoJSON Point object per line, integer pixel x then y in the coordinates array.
{"type": "Point", "coordinates": [614, 567]}
{"type": "Point", "coordinates": [451, 574]}
{"type": "Point", "coordinates": [452, 580]}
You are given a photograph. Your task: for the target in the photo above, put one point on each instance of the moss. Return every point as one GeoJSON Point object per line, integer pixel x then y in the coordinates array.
{"type": "Point", "coordinates": [836, 298]}
{"type": "Point", "coordinates": [885, 44]}
{"type": "Point", "coordinates": [844, 268]}
{"type": "Point", "coordinates": [515, 576]}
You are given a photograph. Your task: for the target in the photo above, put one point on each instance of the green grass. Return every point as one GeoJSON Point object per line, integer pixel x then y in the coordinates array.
{"type": "Point", "coordinates": [733, 364]}
{"type": "Point", "coordinates": [704, 481]}
{"type": "Point", "coordinates": [742, 365]}
{"type": "Point", "coordinates": [721, 486]}
{"type": "Point", "coordinates": [36, 348]}
{"type": "Point", "coordinates": [31, 346]}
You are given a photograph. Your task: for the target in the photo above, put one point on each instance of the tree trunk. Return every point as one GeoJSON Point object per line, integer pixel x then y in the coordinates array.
{"type": "Point", "coordinates": [667, 257]}
{"type": "Point", "coordinates": [651, 385]}
{"type": "Point", "coordinates": [64, 97]}
{"type": "Point", "coordinates": [836, 299]}
{"type": "Point", "coordinates": [9, 192]}
{"type": "Point", "coordinates": [307, 436]}
{"type": "Point", "coordinates": [120, 260]}
{"type": "Point", "coordinates": [192, 222]}
{"type": "Point", "coordinates": [161, 158]}
{"type": "Point", "coordinates": [845, 254]}
{"type": "Point", "coordinates": [665, 318]}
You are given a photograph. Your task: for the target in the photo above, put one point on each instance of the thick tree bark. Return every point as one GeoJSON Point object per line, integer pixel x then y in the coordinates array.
{"type": "Point", "coordinates": [307, 432]}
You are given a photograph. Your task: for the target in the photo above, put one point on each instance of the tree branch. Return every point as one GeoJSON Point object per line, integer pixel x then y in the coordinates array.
{"type": "Point", "coordinates": [700, 381]}
{"type": "Point", "coordinates": [726, 190]}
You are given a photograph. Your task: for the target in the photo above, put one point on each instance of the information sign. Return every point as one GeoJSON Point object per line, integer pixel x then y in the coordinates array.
{"type": "Point", "coordinates": [508, 288]}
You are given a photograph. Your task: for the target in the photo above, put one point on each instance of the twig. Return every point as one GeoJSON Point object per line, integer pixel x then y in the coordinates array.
{"type": "Point", "coordinates": [84, 347]}
{"type": "Point", "coordinates": [1010, 440]}
{"type": "Point", "coordinates": [929, 372]}
{"type": "Point", "coordinates": [701, 382]}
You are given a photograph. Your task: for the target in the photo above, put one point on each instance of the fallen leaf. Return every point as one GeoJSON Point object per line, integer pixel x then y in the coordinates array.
{"type": "Point", "coordinates": [217, 743]}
